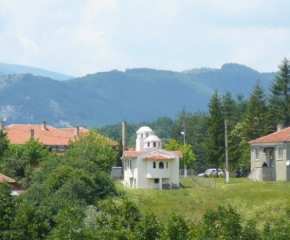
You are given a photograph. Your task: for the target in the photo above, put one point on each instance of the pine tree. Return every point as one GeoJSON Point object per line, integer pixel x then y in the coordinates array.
{"type": "Point", "coordinates": [280, 97]}
{"type": "Point", "coordinates": [256, 115]}
{"type": "Point", "coordinates": [229, 106]}
{"type": "Point", "coordinates": [215, 140]}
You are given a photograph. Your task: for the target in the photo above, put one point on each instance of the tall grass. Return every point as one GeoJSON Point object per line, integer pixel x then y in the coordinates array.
{"type": "Point", "coordinates": [259, 201]}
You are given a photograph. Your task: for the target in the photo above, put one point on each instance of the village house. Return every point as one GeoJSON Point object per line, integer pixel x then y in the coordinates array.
{"type": "Point", "coordinates": [270, 156]}
{"type": "Point", "coordinates": [55, 139]}
{"type": "Point", "coordinates": [16, 187]}
{"type": "Point", "coordinates": [149, 166]}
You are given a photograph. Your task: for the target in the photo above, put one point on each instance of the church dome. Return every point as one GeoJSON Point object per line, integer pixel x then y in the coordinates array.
{"type": "Point", "coordinates": [152, 141]}
{"type": "Point", "coordinates": [152, 138]}
{"type": "Point", "coordinates": [144, 129]}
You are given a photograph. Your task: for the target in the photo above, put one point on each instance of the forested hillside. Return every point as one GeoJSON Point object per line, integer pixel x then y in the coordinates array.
{"type": "Point", "coordinates": [108, 98]}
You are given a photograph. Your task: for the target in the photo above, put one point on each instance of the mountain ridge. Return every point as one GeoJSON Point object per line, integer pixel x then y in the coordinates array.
{"type": "Point", "coordinates": [6, 69]}
{"type": "Point", "coordinates": [105, 98]}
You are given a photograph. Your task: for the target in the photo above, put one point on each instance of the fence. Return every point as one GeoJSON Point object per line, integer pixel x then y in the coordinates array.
{"type": "Point", "coordinates": [207, 182]}
{"type": "Point", "coordinates": [189, 173]}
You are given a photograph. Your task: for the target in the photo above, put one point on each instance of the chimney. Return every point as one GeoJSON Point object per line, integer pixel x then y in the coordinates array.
{"type": "Point", "coordinates": [43, 125]}
{"type": "Point", "coordinates": [3, 125]}
{"type": "Point", "coordinates": [279, 127]}
{"type": "Point", "coordinates": [124, 135]}
{"type": "Point", "coordinates": [31, 133]}
{"type": "Point", "coordinates": [77, 130]}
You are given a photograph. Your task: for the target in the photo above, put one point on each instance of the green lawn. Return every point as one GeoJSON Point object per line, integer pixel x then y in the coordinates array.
{"type": "Point", "coordinates": [261, 201]}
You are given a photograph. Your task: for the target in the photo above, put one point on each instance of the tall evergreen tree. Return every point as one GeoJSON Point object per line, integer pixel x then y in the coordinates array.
{"type": "Point", "coordinates": [280, 97]}
{"type": "Point", "coordinates": [229, 106]}
{"type": "Point", "coordinates": [215, 140]}
{"type": "Point", "coordinates": [241, 107]}
{"type": "Point", "coordinates": [195, 128]}
{"type": "Point", "coordinates": [256, 115]}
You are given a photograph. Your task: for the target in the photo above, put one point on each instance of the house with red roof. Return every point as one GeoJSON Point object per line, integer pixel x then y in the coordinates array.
{"type": "Point", "coordinates": [149, 166]}
{"type": "Point", "coordinates": [270, 156]}
{"type": "Point", "coordinates": [16, 187]}
{"type": "Point", "coordinates": [55, 139]}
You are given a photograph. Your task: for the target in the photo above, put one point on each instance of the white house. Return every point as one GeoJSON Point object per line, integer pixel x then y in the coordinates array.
{"type": "Point", "coordinates": [149, 166]}
{"type": "Point", "coordinates": [270, 156]}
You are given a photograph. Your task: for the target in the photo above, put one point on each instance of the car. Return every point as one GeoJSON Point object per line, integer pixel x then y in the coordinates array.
{"type": "Point", "coordinates": [211, 172]}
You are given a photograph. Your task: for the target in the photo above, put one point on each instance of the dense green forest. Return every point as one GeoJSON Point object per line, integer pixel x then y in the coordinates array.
{"type": "Point", "coordinates": [107, 98]}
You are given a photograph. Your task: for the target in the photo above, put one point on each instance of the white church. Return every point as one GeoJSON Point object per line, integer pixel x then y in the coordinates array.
{"type": "Point", "coordinates": [149, 166]}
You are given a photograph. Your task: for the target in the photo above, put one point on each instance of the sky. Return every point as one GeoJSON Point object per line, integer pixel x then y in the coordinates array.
{"type": "Point", "coordinates": [79, 37]}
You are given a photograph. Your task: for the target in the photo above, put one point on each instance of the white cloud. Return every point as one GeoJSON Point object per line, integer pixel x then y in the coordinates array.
{"type": "Point", "coordinates": [86, 36]}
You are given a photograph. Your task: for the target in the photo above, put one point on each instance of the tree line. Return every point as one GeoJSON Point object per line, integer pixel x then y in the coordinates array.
{"type": "Point", "coordinates": [248, 119]}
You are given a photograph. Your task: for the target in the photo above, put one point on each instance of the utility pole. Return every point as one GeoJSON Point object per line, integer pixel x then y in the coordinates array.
{"type": "Point", "coordinates": [183, 133]}
{"type": "Point", "coordinates": [227, 155]}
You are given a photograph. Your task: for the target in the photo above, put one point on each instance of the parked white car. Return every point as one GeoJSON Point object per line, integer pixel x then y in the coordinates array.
{"type": "Point", "coordinates": [211, 172]}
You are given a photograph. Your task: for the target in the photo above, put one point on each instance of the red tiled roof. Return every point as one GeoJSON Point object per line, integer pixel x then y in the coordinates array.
{"type": "Point", "coordinates": [162, 156]}
{"type": "Point", "coordinates": [4, 178]}
{"type": "Point", "coordinates": [72, 130]}
{"type": "Point", "coordinates": [159, 156]}
{"type": "Point", "coordinates": [177, 153]}
{"type": "Point", "coordinates": [280, 136]}
{"type": "Point", "coordinates": [20, 133]}
{"type": "Point", "coordinates": [133, 153]}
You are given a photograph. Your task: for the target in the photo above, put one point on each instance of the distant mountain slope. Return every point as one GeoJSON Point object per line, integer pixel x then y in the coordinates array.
{"type": "Point", "coordinates": [18, 69]}
{"type": "Point", "coordinates": [110, 97]}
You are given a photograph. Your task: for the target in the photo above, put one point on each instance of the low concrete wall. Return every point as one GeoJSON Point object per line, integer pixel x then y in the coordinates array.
{"type": "Point", "coordinates": [261, 174]}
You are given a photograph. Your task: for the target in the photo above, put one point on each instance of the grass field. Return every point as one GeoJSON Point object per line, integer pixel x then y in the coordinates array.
{"type": "Point", "coordinates": [260, 201]}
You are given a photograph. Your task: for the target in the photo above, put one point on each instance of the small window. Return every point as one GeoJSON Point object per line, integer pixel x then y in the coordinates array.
{"type": "Point", "coordinates": [156, 180]}
{"type": "Point", "coordinates": [154, 144]}
{"type": "Point", "coordinates": [161, 165]}
{"type": "Point", "coordinates": [154, 164]}
{"type": "Point", "coordinates": [166, 164]}
{"type": "Point", "coordinates": [148, 144]}
{"type": "Point", "coordinates": [280, 152]}
{"type": "Point", "coordinates": [130, 164]}
{"type": "Point", "coordinates": [147, 135]}
{"type": "Point", "coordinates": [141, 135]}
{"type": "Point", "coordinates": [256, 150]}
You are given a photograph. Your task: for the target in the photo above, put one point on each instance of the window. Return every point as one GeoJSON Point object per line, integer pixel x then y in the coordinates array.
{"type": "Point", "coordinates": [256, 150]}
{"type": "Point", "coordinates": [148, 144]}
{"type": "Point", "coordinates": [280, 152]}
{"type": "Point", "coordinates": [154, 164]}
{"type": "Point", "coordinates": [147, 135]}
{"type": "Point", "coordinates": [141, 135]}
{"type": "Point", "coordinates": [154, 144]}
{"type": "Point", "coordinates": [161, 165]}
{"type": "Point", "coordinates": [271, 155]}
{"type": "Point", "coordinates": [156, 180]}
{"type": "Point", "coordinates": [166, 164]}
{"type": "Point", "coordinates": [130, 164]}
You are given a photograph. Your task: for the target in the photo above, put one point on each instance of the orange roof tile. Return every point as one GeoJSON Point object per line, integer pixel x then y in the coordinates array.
{"type": "Point", "coordinates": [136, 153]}
{"type": "Point", "coordinates": [159, 156]}
{"type": "Point", "coordinates": [280, 136]}
{"type": "Point", "coordinates": [4, 178]}
{"type": "Point", "coordinates": [72, 130]}
{"type": "Point", "coordinates": [133, 153]}
{"type": "Point", "coordinates": [20, 133]}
